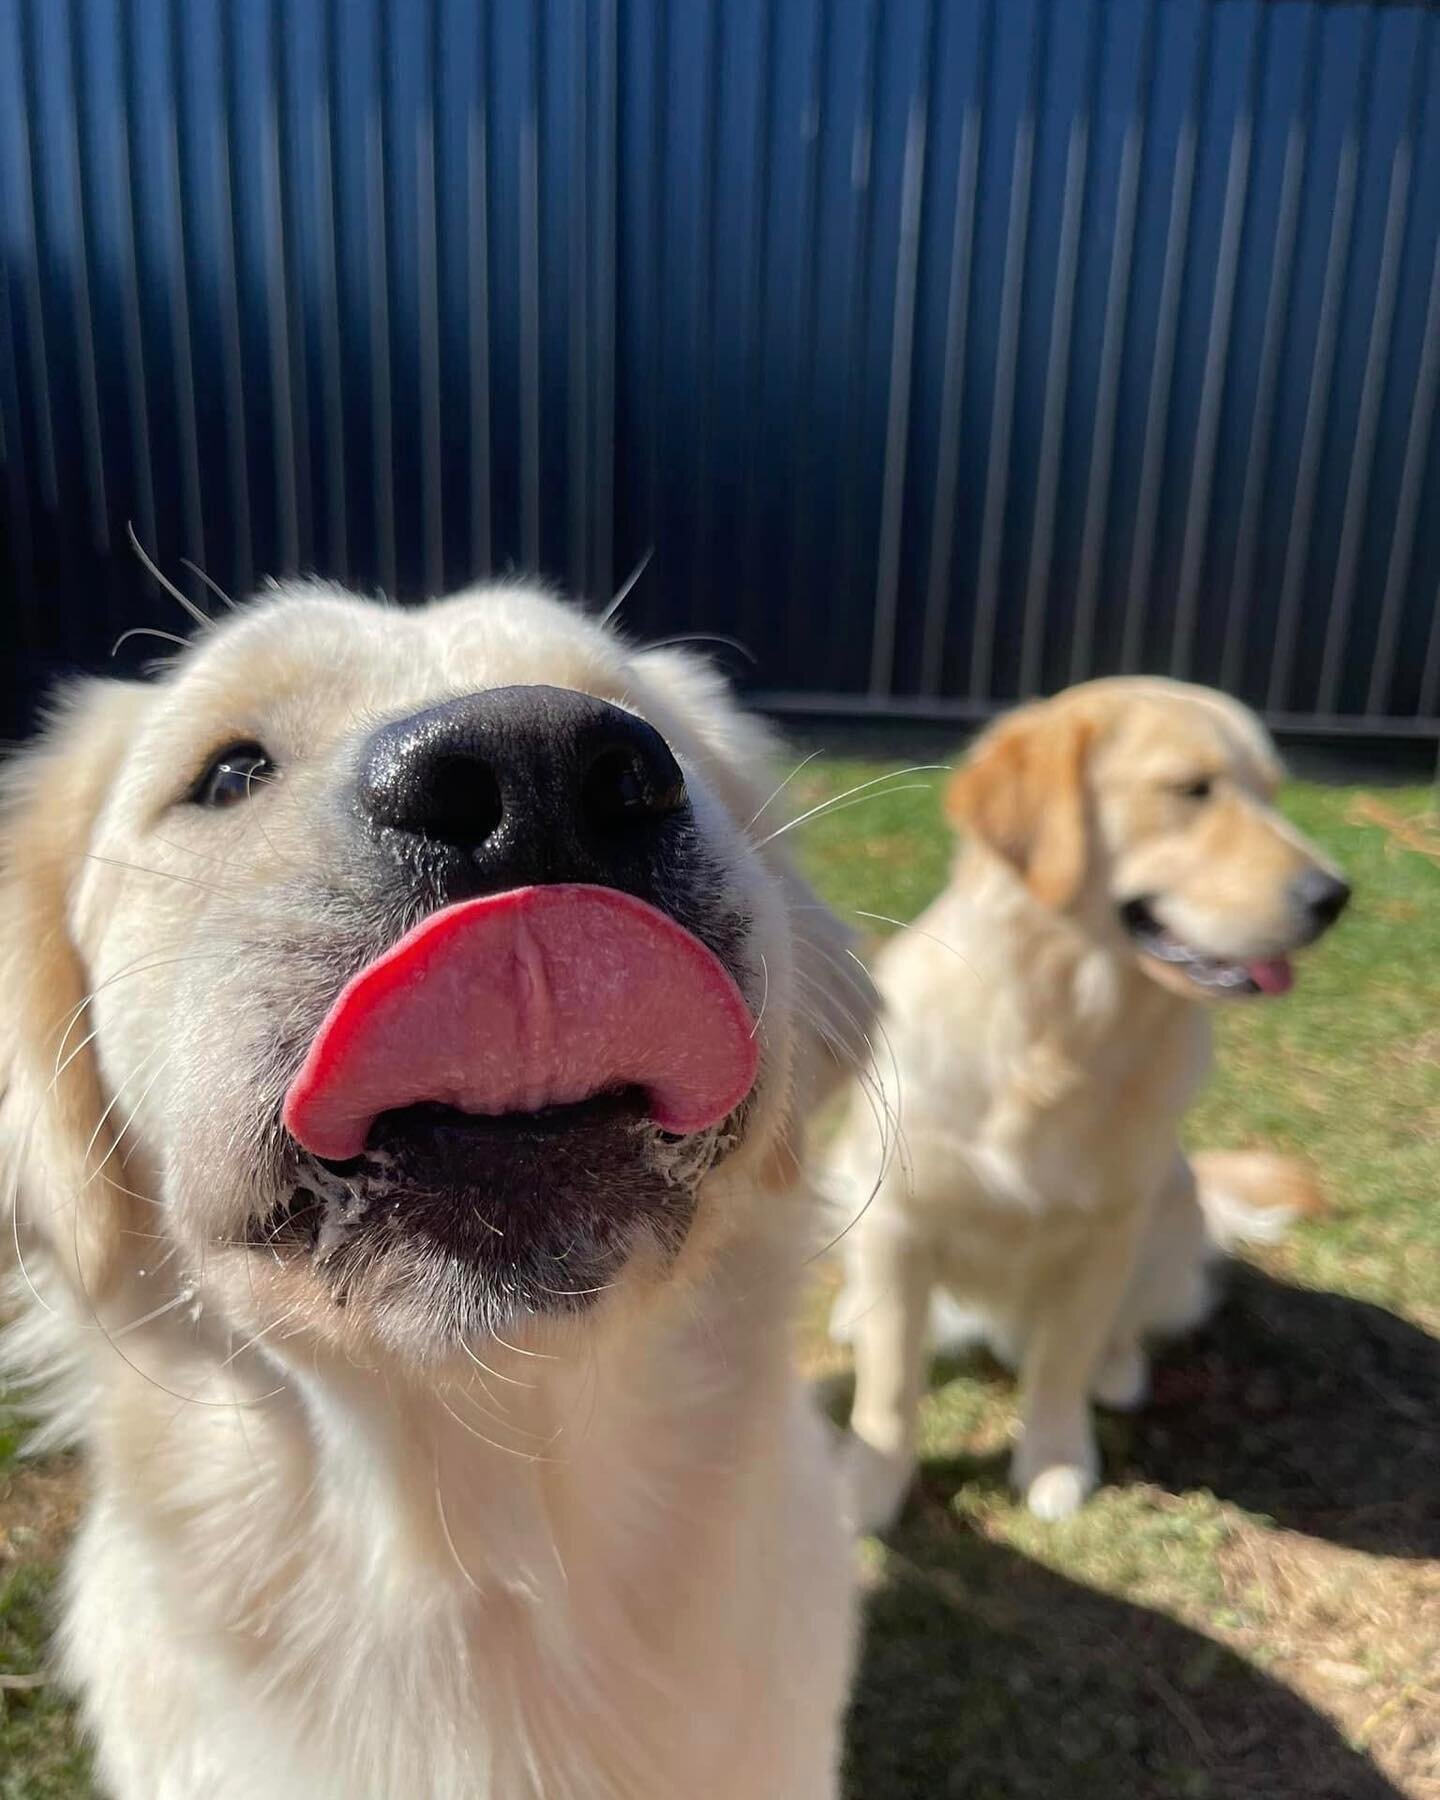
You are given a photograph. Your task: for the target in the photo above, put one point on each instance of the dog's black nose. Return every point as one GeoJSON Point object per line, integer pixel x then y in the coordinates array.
{"type": "Point", "coordinates": [1321, 897]}
{"type": "Point", "coordinates": [524, 785]}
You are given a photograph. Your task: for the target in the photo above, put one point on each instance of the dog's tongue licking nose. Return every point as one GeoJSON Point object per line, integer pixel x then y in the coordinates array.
{"type": "Point", "coordinates": [538, 997]}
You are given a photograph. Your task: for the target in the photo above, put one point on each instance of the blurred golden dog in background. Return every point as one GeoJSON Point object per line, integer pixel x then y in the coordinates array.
{"type": "Point", "coordinates": [1047, 1019]}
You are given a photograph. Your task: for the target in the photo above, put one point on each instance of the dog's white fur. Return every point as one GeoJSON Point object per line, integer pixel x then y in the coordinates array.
{"type": "Point", "coordinates": [1040, 1200]}
{"type": "Point", "coordinates": [607, 1564]}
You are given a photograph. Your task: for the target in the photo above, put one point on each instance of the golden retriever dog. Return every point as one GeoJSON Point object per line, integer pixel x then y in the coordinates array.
{"type": "Point", "coordinates": [404, 1066]}
{"type": "Point", "coordinates": [1047, 1022]}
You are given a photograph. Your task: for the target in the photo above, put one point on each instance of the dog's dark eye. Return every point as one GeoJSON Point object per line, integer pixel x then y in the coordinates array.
{"type": "Point", "coordinates": [233, 776]}
{"type": "Point", "coordinates": [1200, 789]}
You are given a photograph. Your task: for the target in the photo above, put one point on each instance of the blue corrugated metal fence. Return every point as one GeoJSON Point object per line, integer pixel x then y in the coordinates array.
{"type": "Point", "coordinates": [944, 350]}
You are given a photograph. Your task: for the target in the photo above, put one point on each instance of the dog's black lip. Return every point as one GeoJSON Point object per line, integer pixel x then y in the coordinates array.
{"type": "Point", "coordinates": [1212, 974]}
{"type": "Point", "coordinates": [534, 1212]}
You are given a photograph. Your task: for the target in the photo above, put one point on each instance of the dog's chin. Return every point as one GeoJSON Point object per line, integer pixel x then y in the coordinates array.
{"type": "Point", "coordinates": [451, 1227]}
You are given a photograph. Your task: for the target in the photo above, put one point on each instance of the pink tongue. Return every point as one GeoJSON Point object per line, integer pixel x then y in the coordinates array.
{"type": "Point", "coordinates": [537, 997]}
{"type": "Point", "coordinates": [1273, 977]}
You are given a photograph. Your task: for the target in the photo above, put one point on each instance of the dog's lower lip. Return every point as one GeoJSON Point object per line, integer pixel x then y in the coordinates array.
{"type": "Point", "coordinates": [1212, 973]}
{"type": "Point", "coordinates": [504, 1198]}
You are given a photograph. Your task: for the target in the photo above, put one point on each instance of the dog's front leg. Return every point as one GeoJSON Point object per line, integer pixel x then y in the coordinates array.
{"type": "Point", "coordinates": [1076, 1296]}
{"type": "Point", "coordinates": [890, 1292]}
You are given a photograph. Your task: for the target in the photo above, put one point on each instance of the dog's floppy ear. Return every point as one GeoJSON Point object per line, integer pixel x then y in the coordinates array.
{"type": "Point", "coordinates": [1021, 791]}
{"type": "Point", "coordinates": [52, 1114]}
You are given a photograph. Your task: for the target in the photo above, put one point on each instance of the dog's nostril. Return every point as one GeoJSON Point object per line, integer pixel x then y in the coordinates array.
{"type": "Point", "coordinates": [631, 786]}
{"type": "Point", "coordinates": [462, 802]}
{"type": "Point", "coordinates": [1322, 895]}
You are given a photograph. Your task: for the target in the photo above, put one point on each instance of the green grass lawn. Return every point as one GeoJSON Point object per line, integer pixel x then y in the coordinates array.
{"type": "Point", "coordinates": [1252, 1608]}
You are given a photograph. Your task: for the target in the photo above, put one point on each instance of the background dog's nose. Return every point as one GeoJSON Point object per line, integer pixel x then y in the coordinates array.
{"type": "Point", "coordinates": [528, 784]}
{"type": "Point", "coordinates": [1321, 896]}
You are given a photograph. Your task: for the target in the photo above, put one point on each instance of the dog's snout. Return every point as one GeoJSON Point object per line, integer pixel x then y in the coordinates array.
{"type": "Point", "coordinates": [1321, 897]}
{"type": "Point", "coordinates": [531, 784]}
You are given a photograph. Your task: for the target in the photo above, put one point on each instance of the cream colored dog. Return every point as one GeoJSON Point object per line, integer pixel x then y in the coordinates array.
{"type": "Point", "coordinates": [1047, 1026]}
{"type": "Point", "coordinates": [435, 1398]}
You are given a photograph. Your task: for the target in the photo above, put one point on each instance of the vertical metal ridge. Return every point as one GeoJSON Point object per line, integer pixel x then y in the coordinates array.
{"type": "Point", "coordinates": [703, 369]}
{"type": "Point", "coordinates": [1162, 369]}
{"type": "Point", "coordinates": [602, 574]}
{"type": "Point", "coordinates": [530, 310]}
{"type": "Point", "coordinates": [381, 398]}
{"type": "Point", "coordinates": [92, 426]}
{"type": "Point", "coordinates": [902, 358]}
{"type": "Point", "coordinates": [232, 353]}
{"type": "Point", "coordinates": [332, 368]}
{"type": "Point", "coordinates": [478, 319]}
{"type": "Point", "coordinates": [952, 380]}
{"type": "Point", "coordinates": [1429, 707]}
{"type": "Point", "coordinates": [1272, 344]}
{"type": "Point", "coordinates": [182, 347]}
{"type": "Point", "coordinates": [277, 293]}
{"type": "Point", "coordinates": [1407, 511]}
{"type": "Point", "coordinates": [1372, 386]}
{"type": "Point", "coordinates": [35, 333]}
{"type": "Point", "coordinates": [1217, 358]}
{"type": "Point", "coordinates": [297, 336]}
{"type": "Point", "coordinates": [1002, 415]}
{"type": "Point", "coordinates": [132, 330]}
{"type": "Point", "coordinates": [802, 448]}
{"type": "Point", "coordinates": [856, 306]}
{"type": "Point", "coordinates": [1317, 410]}
{"type": "Point", "coordinates": [580, 291]}
{"type": "Point", "coordinates": [1057, 370]}
{"type": "Point", "coordinates": [1112, 350]}
{"type": "Point", "coordinates": [757, 300]}
{"type": "Point", "coordinates": [19, 541]}
{"type": "Point", "coordinates": [427, 279]}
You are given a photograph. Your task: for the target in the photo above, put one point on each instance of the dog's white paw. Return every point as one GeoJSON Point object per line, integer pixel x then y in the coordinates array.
{"type": "Point", "coordinates": [1056, 1478]}
{"type": "Point", "coordinates": [1123, 1383]}
{"type": "Point", "coordinates": [877, 1483]}
{"type": "Point", "coordinates": [1059, 1493]}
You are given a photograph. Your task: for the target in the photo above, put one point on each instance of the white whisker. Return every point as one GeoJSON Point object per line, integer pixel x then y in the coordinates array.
{"type": "Point", "coordinates": [775, 793]}
{"type": "Point", "coordinates": [201, 619]}
{"type": "Point", "coordinates": [624, 591]}
{"type": "Point", "coordinates": [851, 796]}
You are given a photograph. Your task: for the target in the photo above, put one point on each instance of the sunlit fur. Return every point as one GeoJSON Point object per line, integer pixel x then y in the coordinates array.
{"type": "Point", "coordinates": [343, 1550]}
{"type": "Point", "coordinates": [1044, 1065]}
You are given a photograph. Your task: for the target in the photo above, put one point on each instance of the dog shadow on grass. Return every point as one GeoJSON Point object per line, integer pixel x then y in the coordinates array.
{"type": "Point", "coordinates": [1317, 1411]}
{"type": "Point", "coordinates": [989, 1677]}
{"type": "Point", "coordinates": [986, 1675]}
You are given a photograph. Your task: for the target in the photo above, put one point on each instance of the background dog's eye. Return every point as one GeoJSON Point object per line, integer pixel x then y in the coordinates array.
{"type": "Point", "coordinates": [233, 776]}
{"type": "Point", "coordinates": [1199, 789]}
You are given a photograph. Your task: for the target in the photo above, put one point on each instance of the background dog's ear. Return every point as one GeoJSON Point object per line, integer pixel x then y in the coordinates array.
{"type": "Point", "coordinates": [1021, 791]}
{"type": "Point", "coordinates": [52, 1115]}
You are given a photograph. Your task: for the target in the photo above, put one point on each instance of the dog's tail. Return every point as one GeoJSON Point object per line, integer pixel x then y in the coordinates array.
{"type": "Point", "coordinates": [1254, 1196]}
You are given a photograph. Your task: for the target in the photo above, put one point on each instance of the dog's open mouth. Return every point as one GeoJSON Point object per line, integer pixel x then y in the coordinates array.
{"type": "Point", "coordinates": [1212, 974]}
{"type": "Point", "coordinates": [523, 1082]}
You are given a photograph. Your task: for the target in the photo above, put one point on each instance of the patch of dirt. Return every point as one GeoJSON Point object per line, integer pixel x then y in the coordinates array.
{"type": "Point", "coordinates": [1357, 1635]}
{"type": "Point", "coordinates": [39, 1504]}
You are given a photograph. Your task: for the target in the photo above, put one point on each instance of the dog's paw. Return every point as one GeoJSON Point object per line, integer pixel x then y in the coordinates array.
{"type": "Point", "coordinates": [1055, 1482]}
{"type": "Point", "coordinates": [876, 1485]}
{"type": "Point", "coordinates": [1123, 1383]}
{"type": "Point", "coordinates": [1059, 1493]}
